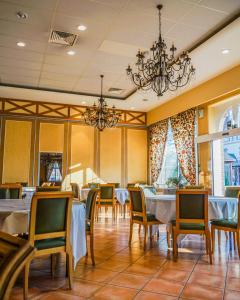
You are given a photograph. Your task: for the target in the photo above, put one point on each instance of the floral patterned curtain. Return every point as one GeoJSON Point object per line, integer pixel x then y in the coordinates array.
{"type": "Point", "coordinates": [183, 128]}
{"type": "Point", "coordinates": [157, 142]}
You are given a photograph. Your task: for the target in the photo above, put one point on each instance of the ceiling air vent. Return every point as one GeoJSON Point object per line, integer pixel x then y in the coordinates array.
{"type": "Point", "coordinates": [62, 38]}
{"type": "Point", "coordinates": [116, 91]}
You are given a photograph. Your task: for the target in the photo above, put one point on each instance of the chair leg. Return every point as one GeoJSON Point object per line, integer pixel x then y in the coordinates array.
{"type": "Point", "coordinates": [238, 242]}
{"type": "Point", "coordinates": [145, 236]}
{"type": "Point", "coordinates": [175, 246]}
{"type": "Point", "coordinates": [130, 234]}
{"type": "Point", "coordinates": [25, 279]}
{"type": "Point", "coordinates": [69, 268]}
{"type": "Point", "coordinates": [151, 236]}
{"type": "Point", "coordinates": [213, 238]}
{"type": "Point", "coordinates": [53, 264]}
{"type": "Point", "coordinates": [139, 229]}
{"type": "Point", "coordinates": [234, 240]}
{"type": "Point", "coordinates": [92, 248]}
{"type": "Point", "coordinates": [219, 237]}
{"type": "Point", "coordinates": [168, 239]}
{"type": "Point", "coordinates": [124, 211]}
{"type": "Point", "coordinates": [208, 238]}
{"type": "Point", "coordinates": [206, 243]}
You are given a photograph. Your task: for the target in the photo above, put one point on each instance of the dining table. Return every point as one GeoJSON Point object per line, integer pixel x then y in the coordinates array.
{"type": "Point", "coordinates": [164, 207]}
{"type": "Point", "coordinates": [15, 215]}
{"type": "Point", "coordinates": [121, 194]}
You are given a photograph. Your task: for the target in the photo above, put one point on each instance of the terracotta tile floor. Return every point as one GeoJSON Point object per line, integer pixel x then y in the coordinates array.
{"type": "Point", "coordinates": [130, 273]}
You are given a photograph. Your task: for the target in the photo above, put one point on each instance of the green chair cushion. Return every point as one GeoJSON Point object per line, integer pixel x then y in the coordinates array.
{"type": "Point", "coordinates": [150, 218]}
{"type": "Point", "coordinates": [224, 223]}
{"type": "Point", "coordinates": [50, 243]}
{"type": "Point", "coordinates": [232, 192]}
{"type": "Point", "coordinates": [106, 203]}
{"type": "Point", "coordinates": [127, 201]}
{"type": "Point", "coordinates": [189, 226]}
{"type": "Point", "coordinates": [106, 192]}
{"type": "Point", "coordinates": [87, 227]}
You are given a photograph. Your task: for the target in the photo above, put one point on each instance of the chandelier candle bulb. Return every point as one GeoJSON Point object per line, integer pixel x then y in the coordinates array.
{"type": "Point", "coordinates": [161, 72]}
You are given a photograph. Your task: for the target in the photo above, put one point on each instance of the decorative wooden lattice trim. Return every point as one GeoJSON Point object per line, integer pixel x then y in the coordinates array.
{"type": "Point", "coordinates": [61, 111]}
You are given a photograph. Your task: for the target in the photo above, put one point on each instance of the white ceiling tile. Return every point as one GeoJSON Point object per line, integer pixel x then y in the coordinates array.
{"type": "Point", "coordinates": [19, 71]}
{"type": "Point", "coordinates": [67, 70]}
{"type": "Point", "coordinates": [114, 3]}
{"type": "Point", "coordinates": [38, 4]}
{"type": "Point", "coordinates": [227, 6]}
{"type": "Point", "coordinates": [15, 63]}
{"type": "Point", "coordinates": [83, 8]}
{"type": "Point", "coordinates": [58, 77]}
{"type": "Point", "coordinates": [21, 54]}
{"type": "Point", "coordinates": [19, 80]}
{"type": "Point", "coordinates": [203, 18]}
{"type": "Point", "coordinates": [54, 84]}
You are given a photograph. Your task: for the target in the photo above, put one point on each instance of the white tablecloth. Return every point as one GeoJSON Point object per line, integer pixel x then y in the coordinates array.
{"type": "Point", "coordinates": [14, 218]}
{"type": "Point", "coordinates": [120, 193]}
{"type": "Point", "coordinates": [164, 207]}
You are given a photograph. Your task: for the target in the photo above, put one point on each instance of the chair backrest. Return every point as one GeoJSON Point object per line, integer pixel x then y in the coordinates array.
{"type": "Point", "coordinates": [238, 214]}
{"type": "Point", "coordinates": [75, 189]}
{"type": "Point", "coordinates": [48, 189]}
{"type": "Point", "coordinates": [93, 185]}
{"type": "Point", "coordinates": [116, 184]}
{"type": "Point", "coordinates": [11, 191]}
{"type": "Point", "coordinates": [107, 192]}
{"type": "Point", "coordinates": [191, 206]}
{"type": "Point", "coordinates": [194, 187]}
{"type": "Point", "coordinates": [90, 207]}
{"type": "Point", "coordinates": [130, 185]}
{"type": "Point", "coordinates": [50, 216]}
{"type": "Point", "coordinates": [232, 191]}
{"type": "Point", "coordinates": [137, 202]}
{"type": "Point", "coordinates": [14, 254]}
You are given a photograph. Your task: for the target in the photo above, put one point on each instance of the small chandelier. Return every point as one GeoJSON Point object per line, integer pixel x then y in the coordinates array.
{"type": "Point", "coordinates": [162, 71]}
{"type": "Point", "coordinates": [100, 116]}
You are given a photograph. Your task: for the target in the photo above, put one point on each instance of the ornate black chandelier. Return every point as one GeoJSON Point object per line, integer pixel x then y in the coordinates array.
{"type": "Point", "coordinates": [100, 116]}
{"type": "Point", "coordinates": [162, 71]}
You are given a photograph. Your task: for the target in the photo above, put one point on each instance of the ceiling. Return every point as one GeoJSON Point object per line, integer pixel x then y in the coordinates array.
{"type": "Point", "coordinates": [116, 29]}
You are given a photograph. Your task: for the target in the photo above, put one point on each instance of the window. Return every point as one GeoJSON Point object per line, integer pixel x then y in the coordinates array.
{"type": "Point", "coordinates": [170, 167]}
{"type": "Point", "coordinates": [55, 173]}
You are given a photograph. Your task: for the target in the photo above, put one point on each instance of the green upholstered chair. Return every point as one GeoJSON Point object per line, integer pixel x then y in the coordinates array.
{"type": "Point", "coordinates": [130, 185]}
{"type": "Point", "coordinates": [116, 184]}
{"type": "Point", "coordinates": [49, 230]}
{"type": "Point", "coordinates": [10, 191]}
{"type": "Point", "coordinates": [228, 225]}
{"type": "Point", "coordinates": [191, 217]}
{"type": "Point", "coordinates": [90, 217]}
{"type": "Point", "coordinates": [232, 191]}
{"type": "Point", "coordinates": [93, 185]}
{"type": "Point", "coordinates": [76, 191]}
{"type": "Point", "coordinates": [15, 253]}
{"type": "Point", "coordinates": [139, 215]}
{"type": "Point", "coordinates": [194, 187]}
{"type": "Point", "coordinates": [48, 189]}
{"type": "Point", "coordinates": [107, 199]}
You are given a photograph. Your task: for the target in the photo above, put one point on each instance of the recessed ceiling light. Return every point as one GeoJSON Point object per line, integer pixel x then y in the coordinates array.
{"type": "Point", "coordinates": [82, 27]}
{"type": "Point", "coordinates": [145, 100]}
{"type": "Point", "coordinates": [225, 51]}
{"type": "Point", "coordinates": [71, 52]}
{"type": "Point", "coordinates": [21, 44]}
{"type": "Point", "coordinates": [83, 102]}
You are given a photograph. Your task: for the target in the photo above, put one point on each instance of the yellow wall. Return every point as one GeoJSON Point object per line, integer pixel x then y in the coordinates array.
{"type": "Point", "coordinates": [17, 147]}
{"type": "Point", "coordinates": [208, 91]}
{"type": "Point", "coordinates": [137, 155]}
{"type": "Point", "coordinates": [82, 154]}
{"type": "Point", "coordinates": [51, 137]}
{"type": "Point", "coordinates": [110, 155]}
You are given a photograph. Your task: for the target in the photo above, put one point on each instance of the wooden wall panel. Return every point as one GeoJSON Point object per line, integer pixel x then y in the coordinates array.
{"type": "Point", "coordinates": [110, 155]}
{"type": "Point", "coordinates": [137, 155]}
{"type": "Point", "coordinates": [17, 148]}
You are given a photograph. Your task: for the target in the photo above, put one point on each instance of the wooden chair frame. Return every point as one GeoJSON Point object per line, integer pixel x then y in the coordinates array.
{"type": "Point", "coordinates": [33, 237]}
{"type": "Point", "coordinates": [51, 188]}
{"type": "Point", "coordinates": [12, 186]}
{"type": "Point", "coordinates": [111, 201]}
{"type": "Point", "coordinates": [176, 230]}
{"type": "Point", "coordinates": [142, 214]}
{"type": "Point", "coordinates": [235, 231]}
{"type": "Point", "coordinates": [91, 232]}
{"type": "Point", "coordinates": [24, 247]}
